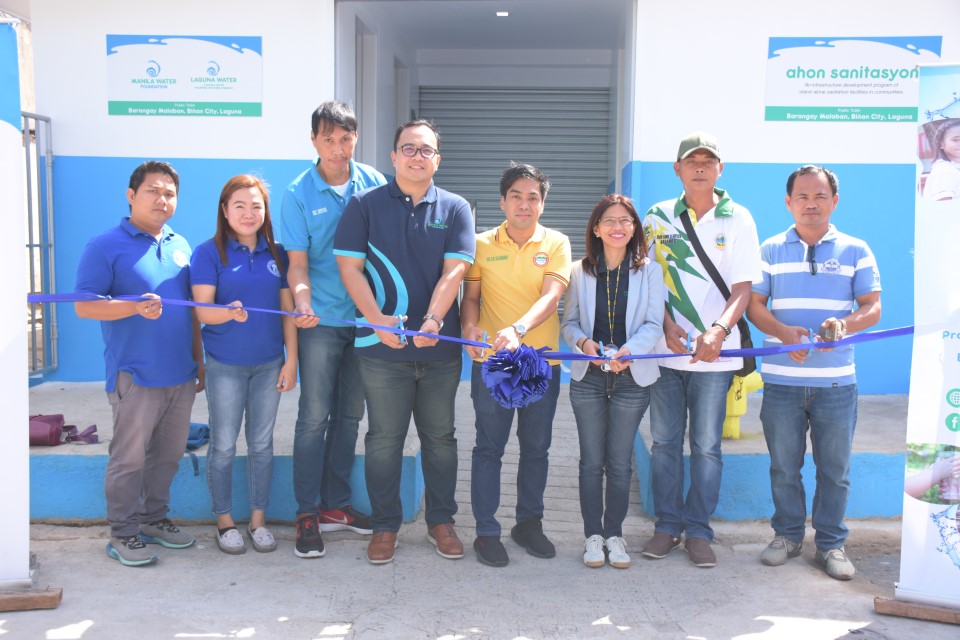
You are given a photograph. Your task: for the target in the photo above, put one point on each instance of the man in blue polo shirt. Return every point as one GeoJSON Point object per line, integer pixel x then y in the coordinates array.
{"type": "Point", "coordinates": [403, 249]}
{"type": "Point", "coordinates": [331, 397]}
{"type": "Point", "coordinates": [153, 361]}
{"type": "Point", "coordinates": [822, 282]}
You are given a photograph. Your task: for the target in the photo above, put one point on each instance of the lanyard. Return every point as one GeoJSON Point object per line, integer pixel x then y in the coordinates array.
{"type": "Point", "coordinates": [612, 302]}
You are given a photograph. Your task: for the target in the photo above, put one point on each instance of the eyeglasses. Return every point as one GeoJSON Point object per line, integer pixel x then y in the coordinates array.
{"type": "Point", "coordinates": [811, 258]}
{"type": "Point", "coordinates": [610, 223]}
{"type": "Point", "coordinates": [411, 150]}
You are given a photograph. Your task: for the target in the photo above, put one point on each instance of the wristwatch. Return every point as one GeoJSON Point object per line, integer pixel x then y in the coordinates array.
{"type": "Point", "coordinates": [725, 328]}
{"type": "Point", "coordinates": [520, 329]}
{"type": "Point", "coordinates": [439, 322]}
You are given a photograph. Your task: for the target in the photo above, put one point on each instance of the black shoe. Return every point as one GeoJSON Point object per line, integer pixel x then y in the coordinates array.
{"type": "Point", "coordinates": [309, 541]}
{"type": "Point", "coordinates": [490, 551]}
{"type": "Point", "coordinates": [529, 535]}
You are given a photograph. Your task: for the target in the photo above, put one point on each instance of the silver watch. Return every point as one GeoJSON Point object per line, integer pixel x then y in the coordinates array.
{"type": "Point", "coordinates": [520, 329]}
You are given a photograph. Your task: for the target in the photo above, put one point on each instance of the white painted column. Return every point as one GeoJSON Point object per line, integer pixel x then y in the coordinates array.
{"type": "Point", "coordinates": [14, 452]}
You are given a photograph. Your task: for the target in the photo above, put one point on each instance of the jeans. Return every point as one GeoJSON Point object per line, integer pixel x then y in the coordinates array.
{"type": "Point", "coordinates": [232, 391]}
{"type": "Point", "coordinates": [830, 413]}
{"type": "Point", "coordinates": [704, 395]}
{"type": "Point", "coordinates": [608, 408]}
{"type": "Point", "coordinates": [427, 390]}
{"type": "Point", "coordinates": [150, 426]}
{"type": "Point", "coordinates": [331, 407]}
{"type": "Point", "coordinates": [534, 432]}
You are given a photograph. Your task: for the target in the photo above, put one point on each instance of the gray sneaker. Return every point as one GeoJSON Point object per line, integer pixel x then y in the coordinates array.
{"type": "Point", "coordinates": [836, 562]}
{"type": "Point", "coordinates": [165, 533]}
{"type": "Point", "coordinates": [130, 551]}
{"type": "Point", "coordinates": [230, 541]}
{"type": "Point", "coordinates": [780, 550]}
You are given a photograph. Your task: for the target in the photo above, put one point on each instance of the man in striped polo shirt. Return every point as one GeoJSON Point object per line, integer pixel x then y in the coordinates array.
{"type": "Point", "coordinates": [823, 284]}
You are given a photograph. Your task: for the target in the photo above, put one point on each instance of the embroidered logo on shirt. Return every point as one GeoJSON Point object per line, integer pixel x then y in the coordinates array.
{"type": "Point", "coordinates": [496, 258]}
{"type": "Point", "coordinates": [437, 224]}
{"type": "Point", "coordinates": [272, 268]}
{"type": "Point", "coordinates": [720, 241]}
{"type": "Point", "coordinates": [319, 211]}
{"type": "Point", "coordinates": [180, 258]}
{"type": "Point", "coordinates": [831, 266]}
{"type": "Point", "coordinates": [666, 238]}
{"type": "Point", "coordinates": [541, 259]}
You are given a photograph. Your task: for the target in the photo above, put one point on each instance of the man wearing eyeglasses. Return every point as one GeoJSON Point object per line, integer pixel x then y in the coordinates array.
{"type": "Point", "coordinates": [331, 398]}
{"type": "Point", "coordinates": [402, 250]}
{"type": "Point", "coordinates": [820, 285]}
{"type": "Point", "coordinates": [698, 323]}
{"type": "Point", "coordinates": [511, 296]}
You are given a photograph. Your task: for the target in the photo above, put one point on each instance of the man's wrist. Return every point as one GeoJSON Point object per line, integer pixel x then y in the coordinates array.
{"type": "Point", "coordinates": [726, 330]}
{"type": "Point", "coordinates": [435, 319]}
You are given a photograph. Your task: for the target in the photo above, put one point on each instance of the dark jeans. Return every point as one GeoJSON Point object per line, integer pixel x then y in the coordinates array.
{"type": "Point", "coordinates": [427, 390]}
{"type": "Point", "coordinates": [534, 432]}
{"type": "Point", "coordinates": [608, 408]}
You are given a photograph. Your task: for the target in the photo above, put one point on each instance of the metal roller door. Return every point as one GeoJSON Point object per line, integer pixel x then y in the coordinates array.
{"type": "Point", "coordinates": [565, 132]}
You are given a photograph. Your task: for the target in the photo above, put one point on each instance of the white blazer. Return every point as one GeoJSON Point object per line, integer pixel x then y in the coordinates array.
{"type": "Point", "coordinates": [644, 317]}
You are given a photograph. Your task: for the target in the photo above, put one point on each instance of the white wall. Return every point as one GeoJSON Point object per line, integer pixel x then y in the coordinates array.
{"type": "Point", "coordinates": [702, 65]}
{"type": "Point", "coordinates": [70, 46]}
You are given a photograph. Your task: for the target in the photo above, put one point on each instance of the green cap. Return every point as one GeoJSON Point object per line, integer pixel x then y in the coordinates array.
{"type": "Point", "coordinates": [697, 141]}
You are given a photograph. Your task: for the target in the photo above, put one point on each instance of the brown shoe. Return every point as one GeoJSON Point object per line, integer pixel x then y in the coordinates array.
{"type": "Point", "coordinates": [660, 545]}
{"type": "Point", "coordinates": [444, 538]}
{"type": "Point", "coordinates": [701, 555]}
{"type": "Point", "coordinates": [381, 547]}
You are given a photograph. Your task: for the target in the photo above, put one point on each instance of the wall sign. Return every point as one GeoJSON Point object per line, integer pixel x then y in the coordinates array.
{"type": "Point", "coordinates": [186, 76]}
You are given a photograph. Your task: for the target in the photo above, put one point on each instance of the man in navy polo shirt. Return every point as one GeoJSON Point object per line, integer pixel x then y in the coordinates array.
{"type": "Point", "coordinates": [331, 396]}
{"type": "Point", "coordinates": [403, 249]}
{"type": "Point", "coordinates": [154, 361]}
{"type": "Point", "coordinates": [823, 282]}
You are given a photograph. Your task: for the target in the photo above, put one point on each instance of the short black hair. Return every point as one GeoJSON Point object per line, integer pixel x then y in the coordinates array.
{"type": "Point", "coordinates": [153, 166]}
{"type": "Point", "coordinates": [520, 171]}
{"type": "Point", "coordinates": [813, 169]}
{"type": "Point", "coordinates": [330, 114]}
{"type": "Point", "coordinates": [419, 122]}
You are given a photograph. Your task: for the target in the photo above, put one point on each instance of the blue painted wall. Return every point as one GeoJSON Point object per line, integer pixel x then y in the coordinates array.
{"type": "Point", "coordinates": [89, 195]}
{"type": "Point", "coordinates": [876, 204]}
{"type": "Point", "coordinates": [70, 487]}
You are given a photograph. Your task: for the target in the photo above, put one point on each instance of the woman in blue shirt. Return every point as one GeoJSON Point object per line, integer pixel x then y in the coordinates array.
{"type": "Point", "coordinates": [615, 299]}
{"type": "Point", "coordinates": [242, 266]}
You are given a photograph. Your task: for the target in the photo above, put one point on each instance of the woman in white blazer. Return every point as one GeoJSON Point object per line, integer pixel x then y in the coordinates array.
{"type": "Point", "coordinates": [615, 298]}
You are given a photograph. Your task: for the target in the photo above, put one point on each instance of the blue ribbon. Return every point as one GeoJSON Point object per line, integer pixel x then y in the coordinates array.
{"type": "Point", "coordinates": [868, 336]}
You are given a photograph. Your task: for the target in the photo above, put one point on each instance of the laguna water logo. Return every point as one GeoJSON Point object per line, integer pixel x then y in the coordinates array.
{"type": "Point", "coordinates": [720, 241]}
{"type": "Point", "coordinates": [153, 68]}
{"type": "Point", "coordinates": [541, 259]}
{"type": "Point", "coordinates": [180, 258]}
{"type": "Point", "coordinates": [213, 69]}
{"type": "Point", "coordinates": [272, 268]}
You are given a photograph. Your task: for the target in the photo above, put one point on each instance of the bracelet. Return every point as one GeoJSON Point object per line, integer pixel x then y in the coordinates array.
{"type": "Point", "coordinates": [582, 341]}
{"type": "Point", "coordinates": [725, 328]}
{"type": "Point", "coordinates": [439, 322]}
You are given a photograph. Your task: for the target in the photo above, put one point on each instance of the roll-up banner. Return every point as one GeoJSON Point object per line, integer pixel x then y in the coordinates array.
{"type": "Point", "coordinates": [930, 550]}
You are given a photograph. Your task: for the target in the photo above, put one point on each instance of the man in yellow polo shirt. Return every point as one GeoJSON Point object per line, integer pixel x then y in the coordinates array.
{"type": "Point", "coordinates": [512, 290]}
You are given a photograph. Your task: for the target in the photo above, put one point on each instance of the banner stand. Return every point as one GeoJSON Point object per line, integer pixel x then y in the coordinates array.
{"type": "Point", "coordinates": [929, 585]}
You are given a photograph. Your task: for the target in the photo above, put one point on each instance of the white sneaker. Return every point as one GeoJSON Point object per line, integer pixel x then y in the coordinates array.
{"type": "Point", "coordinates": [617, 552]}
{"type": "Point", "coordinates": [593, 552]}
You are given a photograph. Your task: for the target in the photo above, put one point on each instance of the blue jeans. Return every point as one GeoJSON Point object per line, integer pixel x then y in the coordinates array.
{"type": "Point", "coordinates": [534, 432]}
{"type": "Point", "coordinates": [704, 395]}
{"type": "Point", "coordinates": [331, 407]}
{"type": "Point", "coordinates": [608, 408]}
{"type": "Point", "coordinates": [427, 390]}
{"type": "Point", "coordinates": [233, 390]}
{"type": "Point", "coordinates": [830, 413]}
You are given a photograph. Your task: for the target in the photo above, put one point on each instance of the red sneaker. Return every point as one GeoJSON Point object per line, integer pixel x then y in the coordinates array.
{"type": "Point", "coordinates": [346, 517]}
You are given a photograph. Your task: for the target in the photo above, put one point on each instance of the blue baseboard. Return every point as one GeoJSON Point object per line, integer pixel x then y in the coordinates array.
{"type": "Point", "coordinates": [70, 487]}
{"type": "Point", "coordinates": [876, 491]}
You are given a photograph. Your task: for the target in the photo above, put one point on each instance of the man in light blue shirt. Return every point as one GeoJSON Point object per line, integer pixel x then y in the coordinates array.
{"type": "Point", "coordinates": [331, 396]}
{"type": "Point", "coordinates": [822, 282]}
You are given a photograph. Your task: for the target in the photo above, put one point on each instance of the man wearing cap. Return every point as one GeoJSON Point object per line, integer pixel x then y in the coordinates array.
{"type": "Point", "coordinates": [698, 322]}
{"type": "Point", "coordinates": [833, 287]}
